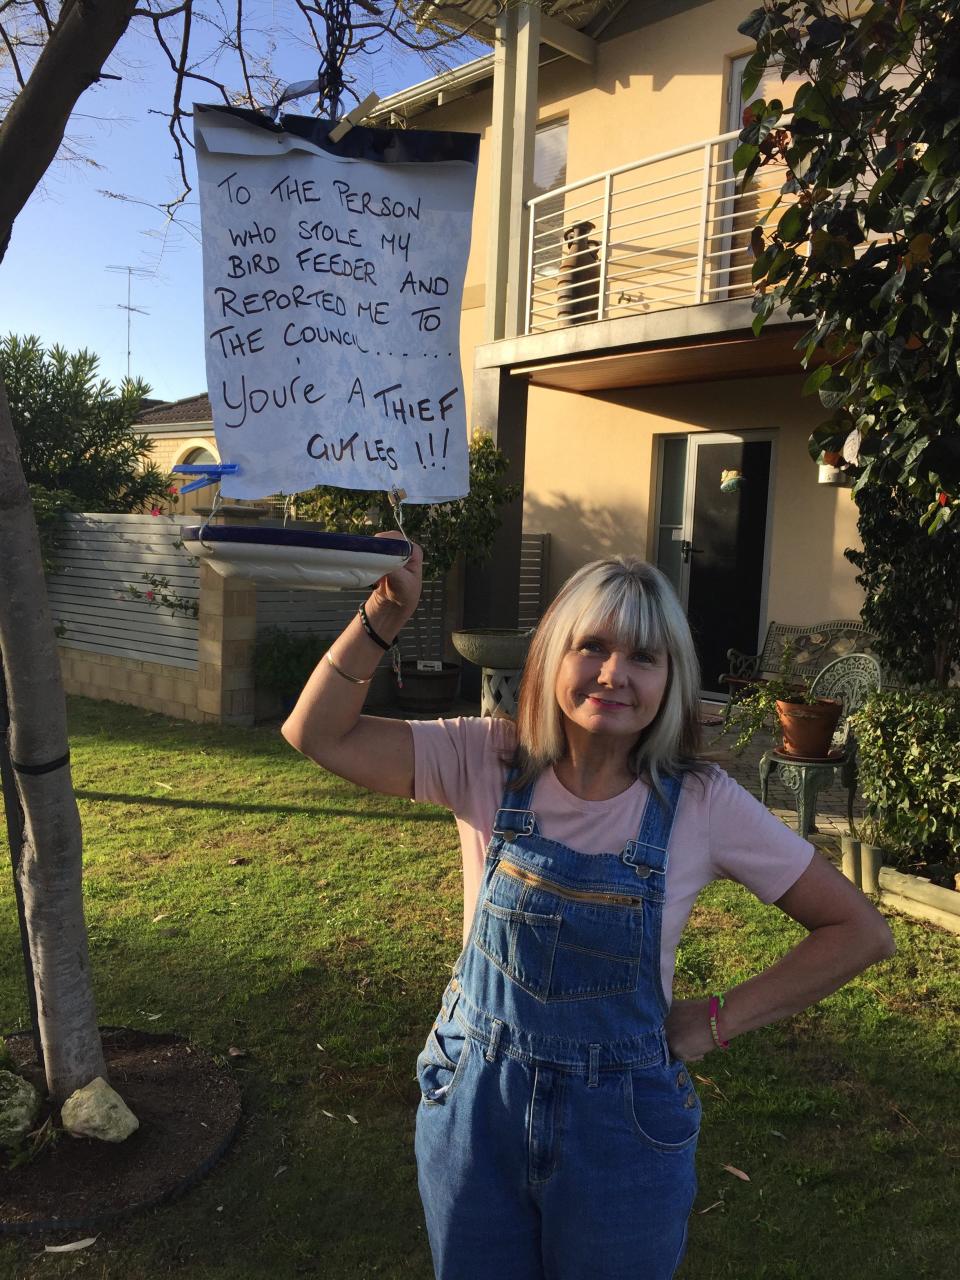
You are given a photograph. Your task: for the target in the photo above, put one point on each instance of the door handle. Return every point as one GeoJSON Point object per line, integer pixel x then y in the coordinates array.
{"type": "Point", "coordinates": [687, 549]}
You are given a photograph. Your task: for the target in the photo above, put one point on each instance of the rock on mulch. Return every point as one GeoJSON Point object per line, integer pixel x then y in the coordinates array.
{"type": "Point", "coordinates": [188, 1106]}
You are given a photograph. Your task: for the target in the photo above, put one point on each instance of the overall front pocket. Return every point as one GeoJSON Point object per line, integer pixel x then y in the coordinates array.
{"type": "Point", "coordinates": [662, 1107]}
{"type": "Point", "coordinates": [561, 943]}
{"type": "Point", "coordinates": [520, 943]}
{"type": "Point", "coordinates": [441, 1062]}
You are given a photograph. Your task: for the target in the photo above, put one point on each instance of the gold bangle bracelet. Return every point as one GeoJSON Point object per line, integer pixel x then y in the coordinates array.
{"type": "Point", "coordinates": [340, 672]}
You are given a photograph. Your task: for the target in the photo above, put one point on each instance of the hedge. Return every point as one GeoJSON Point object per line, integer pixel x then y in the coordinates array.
{"type": "Point", "coordinates": [909, 746]}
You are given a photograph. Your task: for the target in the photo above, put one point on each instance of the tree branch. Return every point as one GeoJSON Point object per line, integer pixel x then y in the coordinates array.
{"type": "Point", "coordinates": [13, 57]}
{"type": "Point", "coordinates": [33, 128]}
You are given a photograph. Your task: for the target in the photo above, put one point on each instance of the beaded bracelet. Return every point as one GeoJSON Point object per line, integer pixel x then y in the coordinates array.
{"type": "Point", "coordinates": [716, 1004]}
{"type": "Point", "coordinates": [368, 628]}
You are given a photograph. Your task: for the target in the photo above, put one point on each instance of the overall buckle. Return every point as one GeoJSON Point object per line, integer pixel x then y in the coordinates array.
{"type": "Point", "coordinates": [505, 826]}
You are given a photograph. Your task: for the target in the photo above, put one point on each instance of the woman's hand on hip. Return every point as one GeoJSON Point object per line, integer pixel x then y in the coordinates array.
{"type": "Point", "coordinates": [688, 1029]}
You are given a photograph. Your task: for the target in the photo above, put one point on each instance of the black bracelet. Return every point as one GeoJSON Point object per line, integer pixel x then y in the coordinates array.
{"type": "Point", "coordinates": [365, 623]}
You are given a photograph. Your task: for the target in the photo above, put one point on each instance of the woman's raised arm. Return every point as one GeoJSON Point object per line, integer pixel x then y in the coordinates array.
{"type": "Point", "coordinates": [326, 723]}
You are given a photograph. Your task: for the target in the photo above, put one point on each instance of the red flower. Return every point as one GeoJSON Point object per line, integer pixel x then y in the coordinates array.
{"type": "Point", "coordinates": [943, 498]}
{"type": "Point", "coordinates": [154, 511]}
{"type": "Point", "coordinates": [174, 490]}
{"type": "Point", "coordinates": [148, 595]}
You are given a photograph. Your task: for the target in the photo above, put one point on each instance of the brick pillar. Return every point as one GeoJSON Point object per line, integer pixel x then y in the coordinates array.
{"type": "Point", "coordinates": [228, 625]}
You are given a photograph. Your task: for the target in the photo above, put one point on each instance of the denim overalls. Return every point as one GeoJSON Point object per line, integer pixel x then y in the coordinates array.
{"type": "Point", "coordinates": [555, 1134]}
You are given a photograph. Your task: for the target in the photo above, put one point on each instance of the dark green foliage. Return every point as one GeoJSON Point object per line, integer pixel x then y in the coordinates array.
{"type": "Point", "coordinates": [909, 744]}
{"type": "Point", "coordinates": [74, 431]}
{"type": "Point", "coordinates": [867, 246]}
{"type": "Point", "coordinates": [444, 529]}
{"type": "Point", "coordinates": [284, 660]}
{"type": "Point", "coordinates": [911, 585]}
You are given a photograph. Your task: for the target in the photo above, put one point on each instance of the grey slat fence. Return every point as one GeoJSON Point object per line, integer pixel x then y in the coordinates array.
{"type": "Point", "coordinates": [100, 558]}
{"type": "Point", "coordinates": [534, 572]}
{"type": "Point", "coordinates": [328, 612]}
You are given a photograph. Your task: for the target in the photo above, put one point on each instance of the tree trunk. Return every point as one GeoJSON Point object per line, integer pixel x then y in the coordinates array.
{"type": "Point", "coordinates": [50, 863]}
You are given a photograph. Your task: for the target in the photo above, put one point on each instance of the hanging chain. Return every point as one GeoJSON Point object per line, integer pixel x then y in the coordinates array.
{"type": "Point", "coordinates": [339, 32]}
{"type": "Point", "coordinates": [396, 497]}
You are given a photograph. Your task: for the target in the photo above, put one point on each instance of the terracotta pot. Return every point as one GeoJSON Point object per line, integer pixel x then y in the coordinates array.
{"type": "Point", "coordinates": [808, 728]}
{"type": "Point", "coordinates": [428, 690]}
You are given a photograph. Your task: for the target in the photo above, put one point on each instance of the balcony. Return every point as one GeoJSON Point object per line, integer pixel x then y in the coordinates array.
{"type": "Point", "coordinates": [669, 231]}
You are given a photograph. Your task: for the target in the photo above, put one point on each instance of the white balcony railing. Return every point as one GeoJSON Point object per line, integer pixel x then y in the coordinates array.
{"type": "Point", "coordinates": [672, 230]}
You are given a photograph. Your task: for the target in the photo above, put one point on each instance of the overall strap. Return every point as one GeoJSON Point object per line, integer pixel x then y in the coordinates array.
{"type": "Point", "coordinates": [515, 817]}
{"type": "Point", "coordinates": [649, 851]}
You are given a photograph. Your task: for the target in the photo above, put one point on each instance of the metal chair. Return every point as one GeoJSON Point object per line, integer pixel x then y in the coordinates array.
{"type": "Point", "coordinates": [851, 679]}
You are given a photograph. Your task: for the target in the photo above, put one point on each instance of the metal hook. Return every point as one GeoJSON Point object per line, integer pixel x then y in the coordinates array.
{"type": "Point", "coordinates": [217, 499]}
{"type": "Point", "coordinates": [396, 497]}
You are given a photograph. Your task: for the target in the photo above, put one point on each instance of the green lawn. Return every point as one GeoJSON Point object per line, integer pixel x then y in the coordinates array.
{"type": "Point", "coordinates": [338, 929]}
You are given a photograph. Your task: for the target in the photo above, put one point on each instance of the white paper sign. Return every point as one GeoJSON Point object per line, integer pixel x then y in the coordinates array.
{"type": "Point", "coordinates": [332, 294]}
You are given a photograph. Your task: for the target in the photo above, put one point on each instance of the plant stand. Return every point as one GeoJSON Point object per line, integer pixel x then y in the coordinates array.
{"type": "Point", "coordinates": [500, 652]}
{"type": "Point", "coordinates": [499, 689]}
{"type": "Point", "coordinates": [805, 779]}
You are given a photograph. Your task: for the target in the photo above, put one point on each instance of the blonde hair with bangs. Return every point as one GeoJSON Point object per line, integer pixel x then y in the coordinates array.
{"type": "Point", "coordinates": [637, 602]}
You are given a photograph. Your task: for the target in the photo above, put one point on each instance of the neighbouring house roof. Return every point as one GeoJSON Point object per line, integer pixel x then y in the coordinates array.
{"type": "Point", "coordinates": [192, 409]}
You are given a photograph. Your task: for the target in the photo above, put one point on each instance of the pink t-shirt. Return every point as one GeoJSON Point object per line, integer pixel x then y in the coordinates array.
{"type": "Point", "coordinates": [720, 830]}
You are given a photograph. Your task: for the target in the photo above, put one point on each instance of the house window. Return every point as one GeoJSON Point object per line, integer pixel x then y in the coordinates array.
{"type": "Point", "coordinates": [549, 173]}
{"type": "Point", "coordinates": [196, 457]}
{"type": "Point", "coordinates": [187, 504]}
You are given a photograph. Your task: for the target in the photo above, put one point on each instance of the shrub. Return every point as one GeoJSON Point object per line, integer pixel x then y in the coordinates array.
{"type": "Point", "coordinates": [910, 776]}
{"type": "Point", "coordinates": [911, 586]}
{"type": "Point", "coordinates": [284, 660]}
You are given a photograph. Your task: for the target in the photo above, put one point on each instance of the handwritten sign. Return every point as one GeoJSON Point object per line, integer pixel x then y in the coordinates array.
{"type": "Point", "coordinates": [332, 279]}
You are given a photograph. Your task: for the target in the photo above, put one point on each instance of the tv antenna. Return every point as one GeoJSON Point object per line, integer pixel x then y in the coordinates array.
{"type": "Point", "coordinates": [141, 273]}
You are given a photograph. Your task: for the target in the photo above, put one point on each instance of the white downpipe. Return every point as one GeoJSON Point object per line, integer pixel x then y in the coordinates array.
{"type": "Point", "coordinates": [605, 247]}
{"type": "Point", "coordinates": [702, 239]}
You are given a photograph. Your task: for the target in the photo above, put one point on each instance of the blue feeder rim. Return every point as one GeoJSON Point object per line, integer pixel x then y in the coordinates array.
{"type": "Point", "coordinates": [259, 536]}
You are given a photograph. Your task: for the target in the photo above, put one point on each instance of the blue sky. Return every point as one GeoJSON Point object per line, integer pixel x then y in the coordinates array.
{"type": "Point", "coordinates": [54, 279]}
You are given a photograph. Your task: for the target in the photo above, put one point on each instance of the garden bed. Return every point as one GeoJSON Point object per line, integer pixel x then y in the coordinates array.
{"type": "Point", "coordinates": [915, 896]}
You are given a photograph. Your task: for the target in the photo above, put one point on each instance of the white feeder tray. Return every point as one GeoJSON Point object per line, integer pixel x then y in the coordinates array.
{"type": "Point", "coordinates": [296, 558]}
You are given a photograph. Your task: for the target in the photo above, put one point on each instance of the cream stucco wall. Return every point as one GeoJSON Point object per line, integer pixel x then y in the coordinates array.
{"type": "Point", "coordinates": [653, 88]}
{"type": "Point", "coordinates": [590, 459]}
{"type": "Point", "coordinates": [590, 483]}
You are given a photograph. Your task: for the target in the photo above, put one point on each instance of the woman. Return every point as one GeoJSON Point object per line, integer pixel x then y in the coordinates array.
{"type": "Point", "coordinates": [557, 1127]}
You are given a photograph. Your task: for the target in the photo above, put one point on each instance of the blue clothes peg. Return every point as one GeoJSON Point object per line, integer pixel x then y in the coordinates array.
{"type": "Point", "coordinates": [207, 473]}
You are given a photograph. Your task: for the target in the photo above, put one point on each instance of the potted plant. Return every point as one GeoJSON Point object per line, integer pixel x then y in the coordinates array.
{"type": "Point", "coordinates": [807, 723]}
{"type": "Point", "coordinates": [446, 530]}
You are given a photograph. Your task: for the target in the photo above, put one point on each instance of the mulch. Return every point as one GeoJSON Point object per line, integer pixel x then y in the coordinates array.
{"type": "Point", "coordinates": [189, 1109]}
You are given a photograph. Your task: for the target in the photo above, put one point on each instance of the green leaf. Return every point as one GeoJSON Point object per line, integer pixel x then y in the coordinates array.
{"type": "Point", "coordinates": [746, 152]}
{"type": "Point", "coordinates": [793, 225]}
{"type": "Point", "coordinates": [816, 380]}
